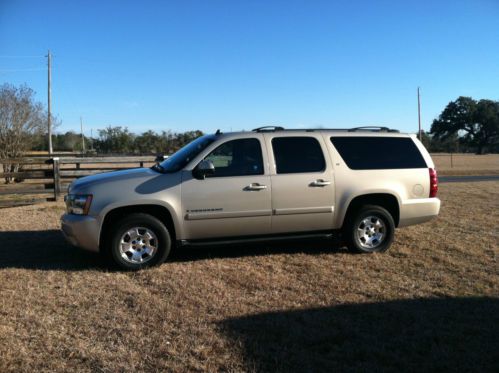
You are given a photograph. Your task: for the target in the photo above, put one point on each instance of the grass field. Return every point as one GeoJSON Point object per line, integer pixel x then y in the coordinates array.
{"type": "Point", "coordinates": [430, 303]}
{"type": "Point", "coordinates": [466, 164]}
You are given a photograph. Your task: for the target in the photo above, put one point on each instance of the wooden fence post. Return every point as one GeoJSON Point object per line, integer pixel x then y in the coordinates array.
{"type": "Point", "coordinates": [57, 178]}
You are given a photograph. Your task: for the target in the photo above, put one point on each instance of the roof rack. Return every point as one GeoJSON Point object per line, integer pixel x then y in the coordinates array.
{"type": "Point", "coordinates": [373, 129]}
{"type": "Point", "coordinates": [268, 129]}
{"type": "Point", "coordinates": [355, 129]}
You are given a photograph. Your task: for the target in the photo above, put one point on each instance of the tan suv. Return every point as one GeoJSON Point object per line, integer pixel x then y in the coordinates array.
{"type": "Point", "coordinates": [268, 184]}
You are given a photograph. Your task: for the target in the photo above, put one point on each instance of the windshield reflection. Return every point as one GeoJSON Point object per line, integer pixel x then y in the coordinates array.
{"type": "Point", "coordinates": [182, 157]}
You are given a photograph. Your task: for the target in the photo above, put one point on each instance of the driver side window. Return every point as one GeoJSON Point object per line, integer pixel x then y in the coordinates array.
{"type": "Point", "coordinates": [237, 158]}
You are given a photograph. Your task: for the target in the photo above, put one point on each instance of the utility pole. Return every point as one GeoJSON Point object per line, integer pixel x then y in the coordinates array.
{"type": "Point", "coordinates": [49, 119]}
{"type": "Point", "coordinates": [82, 136]}
{"type": "Point", "coordinates": [92, 139]}
{"type": "Point", "coordinates": [419, 116]}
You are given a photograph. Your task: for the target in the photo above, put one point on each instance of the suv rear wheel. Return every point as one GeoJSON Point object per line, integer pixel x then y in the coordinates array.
{"type": "Point", "coordinates": [138, 241]}
{"type": "Point", "coordinates": [370, 229]}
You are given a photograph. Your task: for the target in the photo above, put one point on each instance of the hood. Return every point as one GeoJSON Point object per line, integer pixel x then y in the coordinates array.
{"type": "Point", "coordinates": [134, 175]}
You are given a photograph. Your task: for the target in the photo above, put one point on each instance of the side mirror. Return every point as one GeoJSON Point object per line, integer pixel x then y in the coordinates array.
{"type": "Point", "coordinates": [204, 168]}
{"type": "Point", "coordinates": [159, 158]}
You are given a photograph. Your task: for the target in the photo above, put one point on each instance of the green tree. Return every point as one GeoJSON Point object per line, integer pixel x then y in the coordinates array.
{"type": "Point", "coordinates": [450, 144]}
{"type": "Point", "coordinates": [151, 142]}
{"type": "Point", "coordinates": [476, 122]}
{"type": "Point", "coordinates": [115, 140]}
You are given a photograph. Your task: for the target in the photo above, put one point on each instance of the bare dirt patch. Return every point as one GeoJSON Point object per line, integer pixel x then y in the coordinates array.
{"type": "Point", "coordinates": [431, 302]}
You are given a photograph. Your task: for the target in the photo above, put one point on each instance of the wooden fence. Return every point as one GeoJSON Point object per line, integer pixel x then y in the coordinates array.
{"type": "Point", "coordinates": [40, 179]}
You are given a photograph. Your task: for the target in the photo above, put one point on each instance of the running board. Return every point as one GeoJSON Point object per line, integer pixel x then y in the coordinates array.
{"type": "Point", "coordinates": [258, 239]}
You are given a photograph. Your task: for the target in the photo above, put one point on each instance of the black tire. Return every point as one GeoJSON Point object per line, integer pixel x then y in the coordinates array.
{"type": "Point", "coordinates": [161, 241]}
{"type": "Point", "coordinates": [355, 221]}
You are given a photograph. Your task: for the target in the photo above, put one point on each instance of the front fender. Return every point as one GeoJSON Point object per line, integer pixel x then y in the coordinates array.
{"type": "Point", "coordinates": [147, 202]}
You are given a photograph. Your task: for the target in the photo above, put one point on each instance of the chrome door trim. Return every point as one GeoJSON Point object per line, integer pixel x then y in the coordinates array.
{"type": "Point", "coordinates": [304, 210]}
{"type": "Point", "coordinates": [223, 215]}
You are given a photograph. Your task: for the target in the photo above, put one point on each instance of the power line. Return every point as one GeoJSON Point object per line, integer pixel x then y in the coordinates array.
{"type": "Point", "coordinates": [21, 56]}
{"type": "Point", "coordinates": [22, 70]}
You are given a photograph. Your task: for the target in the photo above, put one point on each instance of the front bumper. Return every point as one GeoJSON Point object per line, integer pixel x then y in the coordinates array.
{"type": "Point", "coordinates": [417, 211]}
{"type": "Point", "coordinates": [81, 231]}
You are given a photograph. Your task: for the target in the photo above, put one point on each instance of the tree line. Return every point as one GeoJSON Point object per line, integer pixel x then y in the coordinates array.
{"type": "Point", "coordinates": [118, 140]}
{"type": "Point", "coordinates": [465, 125]}
{"type": "Point", "coordinates": [23, 128]}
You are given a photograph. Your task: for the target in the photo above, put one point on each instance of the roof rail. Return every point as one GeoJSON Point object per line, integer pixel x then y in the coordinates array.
{"type": "Point", "coordinates": [355, 129]}
{"type": "Point", "coordinates": [373, 129]}
{"type": "Point", "coordinates": [268, 129]}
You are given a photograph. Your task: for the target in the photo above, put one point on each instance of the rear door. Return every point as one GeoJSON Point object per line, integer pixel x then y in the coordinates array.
{"type": "Point", "coordinates": [302, 183]}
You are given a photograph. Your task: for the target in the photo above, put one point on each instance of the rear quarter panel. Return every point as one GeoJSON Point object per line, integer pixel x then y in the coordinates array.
{"type": "Point", "coordinates": [403, 184]}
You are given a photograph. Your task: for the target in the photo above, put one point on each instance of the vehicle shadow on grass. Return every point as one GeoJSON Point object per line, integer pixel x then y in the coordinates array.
{"type": "Point", "coordinates": [45, 250]}
{"type": "Point", "coordinates": [48, 250]}
{"type": "Point", "coordinates": [189, 254]}
{"type": "Point", "coordinates": [450, 334]}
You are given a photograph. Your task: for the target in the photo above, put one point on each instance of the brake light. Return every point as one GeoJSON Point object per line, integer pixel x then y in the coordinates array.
{"type": "Point", "coordinates": [433, 182]}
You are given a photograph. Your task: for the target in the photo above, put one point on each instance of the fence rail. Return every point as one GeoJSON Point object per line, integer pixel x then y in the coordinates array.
{"type": "Point", "coordinates": [39, 179]}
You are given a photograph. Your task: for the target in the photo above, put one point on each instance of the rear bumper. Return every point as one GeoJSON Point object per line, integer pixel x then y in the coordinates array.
{"type": "Point", "coordinates": [416, 211]}
{"type": "Point", "coordinates": [81, 231]}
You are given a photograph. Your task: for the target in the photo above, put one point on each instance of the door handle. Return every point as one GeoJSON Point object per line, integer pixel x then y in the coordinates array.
{"type": "Point", "coordinates": [255, 186]}
{"type": "Point", "coordinates": [319, 183]}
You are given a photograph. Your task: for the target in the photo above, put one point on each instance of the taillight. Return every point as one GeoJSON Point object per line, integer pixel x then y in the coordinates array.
{"type": "Point", "coordinates": [433, 182]}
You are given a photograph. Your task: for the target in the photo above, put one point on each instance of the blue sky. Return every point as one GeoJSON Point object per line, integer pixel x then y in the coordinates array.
{"type": "Point", "coordinates": [185, 65]}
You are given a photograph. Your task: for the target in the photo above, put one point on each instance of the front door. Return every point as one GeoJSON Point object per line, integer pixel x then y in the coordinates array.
{"type": "Point", "coordinates": [235, 200]}
{"type": "Point", "coordinates": [302, 183]}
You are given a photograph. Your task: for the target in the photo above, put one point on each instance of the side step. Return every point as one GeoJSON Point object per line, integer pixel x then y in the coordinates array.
{"type": "Point", "coordinates": [259, 239]}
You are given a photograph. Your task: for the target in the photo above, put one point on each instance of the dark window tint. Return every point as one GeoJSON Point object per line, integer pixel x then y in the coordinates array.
{"type": "Point", "coordinates": [237, 158]}
{"type": "Point", "coordinates": [297, 154]}
{"type": "Point", "coordinates": [378, 153]}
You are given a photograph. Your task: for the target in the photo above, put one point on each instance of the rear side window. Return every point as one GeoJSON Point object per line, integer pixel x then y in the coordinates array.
{"type": "Point", "coordinates": [297, 155]}
{"type": "Point", "coordinates": [378, 153]}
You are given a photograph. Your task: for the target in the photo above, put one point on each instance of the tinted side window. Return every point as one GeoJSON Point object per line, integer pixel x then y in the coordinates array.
{"type": "Point", "coordinates": [237, 158]}
{"type": "Point", "coordinates": [378, 153]}
{"type": "Point", "coordinates": [298, 154]}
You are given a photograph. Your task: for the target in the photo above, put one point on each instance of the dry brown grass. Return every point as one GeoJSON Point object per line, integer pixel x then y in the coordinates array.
{"type": "Point", "coordinates": [466, 164]}
{"type": "Point", "coordinates": [430, 303]}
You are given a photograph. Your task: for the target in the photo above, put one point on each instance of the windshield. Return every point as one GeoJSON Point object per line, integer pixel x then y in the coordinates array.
{"type": "Point", "coordinates": [182, 157]}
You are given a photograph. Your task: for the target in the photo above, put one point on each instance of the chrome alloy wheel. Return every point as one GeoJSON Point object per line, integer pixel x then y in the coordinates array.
{"type": "Point", "coordinates": [138, 245]}
{"type": "Point", "coordinates": [371, 232]}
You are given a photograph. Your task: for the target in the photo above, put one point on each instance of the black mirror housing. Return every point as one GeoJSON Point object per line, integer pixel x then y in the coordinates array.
{"type": "Point", "coordinates": [204, 168]}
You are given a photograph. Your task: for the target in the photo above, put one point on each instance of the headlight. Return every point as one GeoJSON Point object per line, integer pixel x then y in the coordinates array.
{"type": "Point", "coordinates": [78, 204]}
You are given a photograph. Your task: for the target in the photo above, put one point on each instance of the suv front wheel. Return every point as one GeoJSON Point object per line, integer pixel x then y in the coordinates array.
{"type": "Point", "coordinates": [137, 241]}
{"type": "Point", "coordinates": [370, 229]}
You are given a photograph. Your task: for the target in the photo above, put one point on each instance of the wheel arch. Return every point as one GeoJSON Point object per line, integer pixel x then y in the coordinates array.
{"type": "Point", "coordinates": [162, 213]}
{"type": "Point", "coordinates": [386, 200]}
